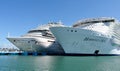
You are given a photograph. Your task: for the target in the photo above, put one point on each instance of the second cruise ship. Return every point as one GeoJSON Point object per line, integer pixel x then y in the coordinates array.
{"type": "Point", "coordinates": [90, 36]}
{"type": "Point", "coordinates": [38, 40]}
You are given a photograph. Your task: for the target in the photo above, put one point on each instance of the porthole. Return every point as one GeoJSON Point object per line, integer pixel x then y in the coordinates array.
{"type": "Point", "coordinates": [28, 41]}
{"type": "Point", "coordinates": [14, 40]}
{"type": "Point", "coordinates": [35, 42]}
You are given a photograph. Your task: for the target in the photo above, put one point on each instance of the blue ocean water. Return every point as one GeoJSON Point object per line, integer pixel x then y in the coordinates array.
{"type": "Point", "coordinates": [59, 63]}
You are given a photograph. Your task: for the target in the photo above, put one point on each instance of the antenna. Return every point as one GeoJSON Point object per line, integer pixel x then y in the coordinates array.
{"type": "Point", "coordinates": [8, 35]}
{"type": "Point", "coordinates": [60, 22]}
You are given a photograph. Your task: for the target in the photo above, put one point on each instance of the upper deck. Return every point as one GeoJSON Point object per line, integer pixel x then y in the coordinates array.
{"type": "Point", "coordinates": [94, 20]}
{"type": "Point", "coordinates": [45, 28]}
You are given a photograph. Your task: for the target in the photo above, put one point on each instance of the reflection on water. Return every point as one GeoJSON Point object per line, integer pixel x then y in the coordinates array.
{"type": "Point", "coordinates": [59, 63]}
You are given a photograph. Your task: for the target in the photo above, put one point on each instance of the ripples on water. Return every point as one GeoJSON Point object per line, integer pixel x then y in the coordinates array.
{"type": "Point", "coordinates": [59, 63]}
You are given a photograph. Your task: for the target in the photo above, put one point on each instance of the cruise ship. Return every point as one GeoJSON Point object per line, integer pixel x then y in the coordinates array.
{"type": "Point", "coordinates": [94, 36]}
{"type": "Point", "coordinates": [38, 40]}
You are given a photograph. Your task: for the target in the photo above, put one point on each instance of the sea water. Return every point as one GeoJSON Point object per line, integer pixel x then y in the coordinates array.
{"type": "Point", "coordinates": [59, 63]}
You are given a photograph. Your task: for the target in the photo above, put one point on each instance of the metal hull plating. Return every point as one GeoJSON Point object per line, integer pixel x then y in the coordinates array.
{"type": "Point", "coordinates": [82, 41]}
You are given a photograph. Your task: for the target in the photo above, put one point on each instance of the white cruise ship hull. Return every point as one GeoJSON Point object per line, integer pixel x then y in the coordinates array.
{"type": "Point", "coordinates": [81, 41]}
{"type": "Point", "coordinates": [39, 44]}
{"type": "Point", "coordinates": [24, 44]}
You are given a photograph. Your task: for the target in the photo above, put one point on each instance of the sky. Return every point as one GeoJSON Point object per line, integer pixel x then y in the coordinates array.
{"type": "Point", "coordinates": [17, 17]}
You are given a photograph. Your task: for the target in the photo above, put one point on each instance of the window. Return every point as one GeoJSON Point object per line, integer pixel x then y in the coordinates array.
{"type": "Point", "coordinates": [75, 30]}
{"type": "Point", "coordinates": [71, 30]}
{"type": "Point", "coordinates": [14, 40]}
{"type": "Point", "coordinates": [28, 41]}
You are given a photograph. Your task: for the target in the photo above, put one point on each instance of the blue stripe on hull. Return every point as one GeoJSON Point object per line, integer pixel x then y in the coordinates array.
{"type": "Point", "coordinates": [73, 54]}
